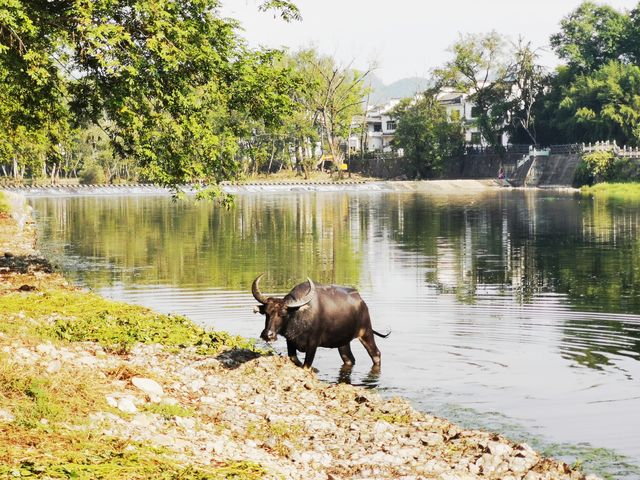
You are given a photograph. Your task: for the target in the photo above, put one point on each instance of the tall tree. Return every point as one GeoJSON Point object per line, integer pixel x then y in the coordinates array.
{"type": "Point", "coordinates": [528, 82]}
{"type": "Point", "coordinates": [480, 67]}
{"type": "Point", "coordinates": [164, 75]}
{"type": "Point", "coordinates": [426, 135]}
{"type": "Point", "coordinates": [335, 93]}
{"type": "Point", "coordinates": [591, 36]}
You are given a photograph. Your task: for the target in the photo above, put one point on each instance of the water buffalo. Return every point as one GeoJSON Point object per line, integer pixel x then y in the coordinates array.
{"type": "Point", "coordinates": [312, 316]}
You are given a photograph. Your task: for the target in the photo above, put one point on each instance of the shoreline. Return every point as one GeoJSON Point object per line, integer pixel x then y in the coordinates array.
{"type": "Point", "coordinates": [233, 412]}
{"type": "Point", "coordinates": [459, 187]}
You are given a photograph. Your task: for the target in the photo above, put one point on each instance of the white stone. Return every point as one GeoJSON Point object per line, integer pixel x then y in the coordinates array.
{"type": "Point", "coordinates": [6, 416]}
{"type": "Point", "coordinates": [196, 385]}
{"type": "Point", "coordinates": [126, 405]}
{"type": "Point", "coordinates": [46, 348]}
{"type": "Point", "coordinates": [148, 386]}
{"type": "Point", "coordinates": [499, 449]}
{"type": "Point", "coordinates": [112, 401]}
{"type": "Point", "coordinates": [208, 400]}
{"type": "Point", "coordinates": [54, 366]}
{"type": "Point", "coordinates": [187, 423]}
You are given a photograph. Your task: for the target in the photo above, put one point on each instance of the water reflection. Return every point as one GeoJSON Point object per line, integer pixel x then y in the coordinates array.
{"type": "Point", "coordinates": [371, 380]}
{"type": "Point", "coordinates": [523, 303]}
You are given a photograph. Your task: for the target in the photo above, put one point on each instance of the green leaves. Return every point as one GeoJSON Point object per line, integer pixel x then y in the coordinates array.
{"type": "Point", "coordinates": [592, 35]}
{"type": "Point", "coordinates": [162, 79]}
{"type": "Point", "coordinates": [426, 135]}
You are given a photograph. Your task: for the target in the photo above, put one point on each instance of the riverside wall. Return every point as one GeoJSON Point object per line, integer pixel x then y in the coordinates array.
{"type": "Point", "coordinates": [553, 170]}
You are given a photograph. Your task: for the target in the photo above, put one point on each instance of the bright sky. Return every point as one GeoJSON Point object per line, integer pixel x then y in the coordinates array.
{"type": "Point", "coordinates": [404, 38]}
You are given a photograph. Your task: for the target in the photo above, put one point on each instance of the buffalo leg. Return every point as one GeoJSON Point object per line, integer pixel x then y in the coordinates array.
{"type": "Point", "coordinates": [291, 352]}
{"type": "Point", "coordinates": [347, 356]}
{"type": "Point", "coordinates": [370, 344]}
{"type": "Point", "coordinates": [309, 355]}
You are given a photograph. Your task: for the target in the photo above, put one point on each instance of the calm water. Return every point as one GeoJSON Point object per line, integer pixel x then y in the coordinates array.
{"type": "Point", "coordinates": [517, 312]}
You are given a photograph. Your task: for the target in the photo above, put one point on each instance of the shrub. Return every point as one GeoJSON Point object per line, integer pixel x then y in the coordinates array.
{"type": "Point", "coordinates": [92, 174]}
{"type": "Point", "coordinates": [600, 164]}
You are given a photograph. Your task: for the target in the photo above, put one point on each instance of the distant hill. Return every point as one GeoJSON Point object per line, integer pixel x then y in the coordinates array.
{"type": "Point", "coordinates": [405, 87]}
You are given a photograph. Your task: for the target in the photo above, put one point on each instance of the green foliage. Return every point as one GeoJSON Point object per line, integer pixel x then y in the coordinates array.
{"type": "Point", "coordinates": [596, 96]}
{"type": "Point", "coordinates": [4, 204]}
{"type": "Point", "coordinates": [480, 66]}
{"type": "Point", "coordinates": [591, 36]}
{"type": "Point", "coordinates": [604, 104]}
{"type": "Point", "coordinates": [426, 135]}
{"type": "Point", "coordinates": [599, 164]}
{"type": "Point", "coordinates": [167, 411]}
{"type": "Point", "coordinates": [79, 316]}
{"type": "Point", "coordinates": [92, 174]}
{"type": "Point", "coordinates": [617, 191]}
{"type": "Point", "coordinates": [162, 79]}
{"type": "Point", "coordinates": [31, 395]}
{"type": "Point", "coordinates": [528, 84]}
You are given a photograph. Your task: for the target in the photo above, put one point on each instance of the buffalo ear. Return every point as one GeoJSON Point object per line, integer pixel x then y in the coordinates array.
{"type": "Point", "coordinates": [262, 309]}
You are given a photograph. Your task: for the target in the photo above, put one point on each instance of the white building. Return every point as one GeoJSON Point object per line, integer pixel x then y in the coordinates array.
{"type": "Point", "coordinates": [379, 128]}
{"type": "Point", "coordinates": [460, 108]}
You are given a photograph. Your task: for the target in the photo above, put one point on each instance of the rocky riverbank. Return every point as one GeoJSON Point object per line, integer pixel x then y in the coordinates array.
{"type": "Point", "coordinates": [165, 400]}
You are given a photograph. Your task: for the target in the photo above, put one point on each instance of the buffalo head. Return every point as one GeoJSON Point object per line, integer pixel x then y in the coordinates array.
{"type": "Point", "coordinates": [277, 311]}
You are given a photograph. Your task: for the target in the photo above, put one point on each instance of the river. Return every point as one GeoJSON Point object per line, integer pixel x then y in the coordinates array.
{"type": "Point", "coordinates": [512, 311]}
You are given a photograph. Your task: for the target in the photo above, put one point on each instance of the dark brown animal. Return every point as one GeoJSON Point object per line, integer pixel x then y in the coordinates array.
{"type": "Point", "coordinates": [312, 316]}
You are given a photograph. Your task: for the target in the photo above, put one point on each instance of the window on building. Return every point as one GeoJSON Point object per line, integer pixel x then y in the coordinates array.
{"type": "Point", "coordinates": [475, 112]}
{"type": "Point", "coordinates": [391, 125]}
{"type": "Point", "coordinates": [455, 115]}
{"type": "Point", "coordinates": [377, 127]}
{"type": "Point", "coordinates": [475, 138]}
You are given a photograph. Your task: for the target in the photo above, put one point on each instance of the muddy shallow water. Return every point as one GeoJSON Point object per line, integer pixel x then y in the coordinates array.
{"type": "Point", "coordinates": [513, 311]}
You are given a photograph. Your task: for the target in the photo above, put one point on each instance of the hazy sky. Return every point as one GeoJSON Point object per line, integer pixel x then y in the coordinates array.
{"type": "Point", "coordinates": [403, 37]}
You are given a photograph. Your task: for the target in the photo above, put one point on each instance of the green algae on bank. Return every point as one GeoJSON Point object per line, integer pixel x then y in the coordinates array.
{"type": "Point", "coordinates": [76, 316]}
{"type": "Point", "coordinates": [4, 204]}
{"type": "Point", "coordinates": [616, 191]}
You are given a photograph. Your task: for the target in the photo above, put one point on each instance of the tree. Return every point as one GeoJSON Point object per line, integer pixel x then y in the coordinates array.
{"type": "Point", "coordinates": [480, 67]}
{"type": "Point", "coordinates": [528, 82]}
{"type": "Point", "coordinates": [604, 105]}
{"type": "Point", "coordinates": [426, 135]}
{"type": "Point", "coordinates": [334, 95]}
{"type": "Point", "coordinates": [595, 96]}
{"type": "Point", "coordinates": [160, 78]}
{"type": "Point", "coordinates": [591, 36]}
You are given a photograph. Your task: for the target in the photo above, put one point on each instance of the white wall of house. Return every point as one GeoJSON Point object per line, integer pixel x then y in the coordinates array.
{"type": "Point", "coordinates": [381, 126]}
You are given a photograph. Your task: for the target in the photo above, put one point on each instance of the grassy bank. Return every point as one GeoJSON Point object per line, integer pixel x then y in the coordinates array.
{"type": "Point", "coordinates": [617, 191]}
{"type": "Point", "coordinates": [45, 409]}
{"type": "Point", "coordinates": [4, 204]}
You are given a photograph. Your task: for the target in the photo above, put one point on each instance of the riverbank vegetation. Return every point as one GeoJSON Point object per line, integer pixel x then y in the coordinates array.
{"type": "Point", "coordinates": [616, 191]}
{"type": "Point", "coordinates": [4, 204]}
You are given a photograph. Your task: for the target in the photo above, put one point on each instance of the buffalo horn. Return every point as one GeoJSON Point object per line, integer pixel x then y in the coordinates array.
{"type": "Point", "coordinates": [256, 291]}
{"type": "Point", "coordinates": [304, 300]}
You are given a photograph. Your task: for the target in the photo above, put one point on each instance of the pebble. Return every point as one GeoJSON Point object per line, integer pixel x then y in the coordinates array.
{"type": "Point", "coordinates": [148, 386]}
{"type": "Point", "coordinates": [6, 416]}
{"type": "Point", "coordinates": [277, 415]}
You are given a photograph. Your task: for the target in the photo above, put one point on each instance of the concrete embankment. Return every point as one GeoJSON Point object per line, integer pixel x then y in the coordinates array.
{"type": "Point", "coordinates": [445, 187]}
{"type": "Point", "coordinates": [235, 414]}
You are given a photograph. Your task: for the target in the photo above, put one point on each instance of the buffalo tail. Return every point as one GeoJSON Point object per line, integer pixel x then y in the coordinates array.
{"type": "Point", "coordinates": [379, 334]}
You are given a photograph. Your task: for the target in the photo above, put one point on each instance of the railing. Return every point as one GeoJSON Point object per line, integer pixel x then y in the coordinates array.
{"type": "Point", "coordinates": [569, 148]}
{"type": "Point", "coordinates": [624, 151]}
